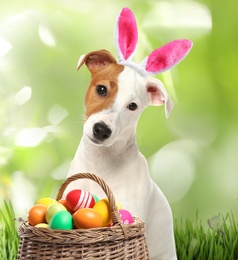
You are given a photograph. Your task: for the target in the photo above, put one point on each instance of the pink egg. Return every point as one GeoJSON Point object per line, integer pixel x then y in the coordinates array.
{"type": "Point", "coordinates": [77, 199]}
{"type": "Point", "coordinates": [126, 216]}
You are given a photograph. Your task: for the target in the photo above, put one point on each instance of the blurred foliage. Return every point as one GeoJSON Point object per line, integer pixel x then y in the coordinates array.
{"type": "Point", "coordinates": [192, 155]}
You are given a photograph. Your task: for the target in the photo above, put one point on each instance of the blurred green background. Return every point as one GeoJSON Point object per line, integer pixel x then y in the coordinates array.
{"type": "Point", "coordinates": [192, 155]}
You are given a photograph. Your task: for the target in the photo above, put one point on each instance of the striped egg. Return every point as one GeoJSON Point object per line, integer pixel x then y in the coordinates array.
{"type": "Point", "coordinates": [77, 199]}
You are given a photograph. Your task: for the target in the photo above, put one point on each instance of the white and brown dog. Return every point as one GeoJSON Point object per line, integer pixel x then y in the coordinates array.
{"type": "Point", "coordinates": [117, 94]}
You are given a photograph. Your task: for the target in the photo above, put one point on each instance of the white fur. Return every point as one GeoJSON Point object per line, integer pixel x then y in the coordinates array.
{"type": "Point", "coordinates": [118, 161]}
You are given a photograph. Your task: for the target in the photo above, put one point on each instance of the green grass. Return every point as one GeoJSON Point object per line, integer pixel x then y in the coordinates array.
{"type": "Point", "coordinates": [9, 239]}
{"type": "Point", "coordinates": [216, 241]}
{"type": "Point", "coordinates": [219, 241]}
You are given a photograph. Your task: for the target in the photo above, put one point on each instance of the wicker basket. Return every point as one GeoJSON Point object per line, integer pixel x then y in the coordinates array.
{"type": "Point", "coordinates": [120, 241]}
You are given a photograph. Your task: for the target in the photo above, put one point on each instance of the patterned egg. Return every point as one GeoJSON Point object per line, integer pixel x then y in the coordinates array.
{"type": "Point", "coordinates": [126, 216]}
{"type": "Point", "coordinates": [77, 199]}
{"type": "Point", "coordinates": [102, 207]}
{"type": "Point", "coordinates": [87, 218]}
{"type": "Point", "coordinates": [61, 220]}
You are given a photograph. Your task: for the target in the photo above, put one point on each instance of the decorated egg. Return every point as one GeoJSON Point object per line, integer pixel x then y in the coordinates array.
{"type": "Point", "coordinates": [36, 214]}
{"type": "Point", "coordinates": [77, 199]}
{"type": "Point", "coordinates": [46, 201]}
{"type": "Point", "coordinates": [102, 207]}
{"type": "Point", "coordinates": [126, 216]}
{"type": "Point", "coordinates": [52, 210]}
{"type": "Point", "coordinates": [42, 225]}
{"type": "Point", "coordinates": [61, 220]}
{"type": "Point", "coordinates": [87, 218]}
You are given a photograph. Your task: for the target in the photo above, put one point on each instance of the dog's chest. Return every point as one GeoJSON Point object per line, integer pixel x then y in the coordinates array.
{"type": "Point", "coordinates": [126, 176]}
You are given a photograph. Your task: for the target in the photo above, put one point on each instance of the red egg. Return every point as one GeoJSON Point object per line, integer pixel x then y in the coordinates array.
{"type": "Point", "coordinates": [77, 199]}
{"type": "Point", "coordinates": [87, 218]}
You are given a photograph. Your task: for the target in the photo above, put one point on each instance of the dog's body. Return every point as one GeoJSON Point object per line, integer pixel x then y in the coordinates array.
{"type": "Point", "coordinates": [114, 101]}
{"type": "Point", "coordinates": [117, 94]}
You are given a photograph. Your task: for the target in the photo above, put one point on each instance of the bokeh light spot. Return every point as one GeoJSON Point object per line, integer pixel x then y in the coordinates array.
{"type": "Point", "coordinates": [56, 114]}
{"type": "Point", "coordinates": [30, 137]}
{"type": "Point", "coordinates": [5, 47]}
{"type": "Point", "coordinates": [46, 36]}
{"type": "Point", "coordinates": [23, 95]}
{"type": "Point", "coordinates": [173, 169]}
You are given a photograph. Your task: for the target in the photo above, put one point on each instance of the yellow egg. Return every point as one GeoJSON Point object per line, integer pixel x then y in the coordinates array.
{"type": "Point", "coordinates": [42, 225]}
{"type": "Point", "coordinates": [46, 201]}
{"type": "Point", "coordinates": [102, 207]}
{"type": "Point", "coordinates": [119, 205]}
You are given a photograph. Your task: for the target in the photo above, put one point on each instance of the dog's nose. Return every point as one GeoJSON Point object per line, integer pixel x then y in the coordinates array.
{"type": "Point", "coordinates": [101, 131]}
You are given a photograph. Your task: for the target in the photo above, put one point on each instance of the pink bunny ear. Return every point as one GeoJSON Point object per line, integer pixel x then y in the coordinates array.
{"type": "Point", "coordinates": [166, 56]}
{"type": "Point", "coordinates": [126, 35]}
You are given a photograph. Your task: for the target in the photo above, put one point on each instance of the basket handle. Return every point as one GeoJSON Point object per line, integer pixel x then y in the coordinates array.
{"type": "Point", "coordinates": [112, 203]}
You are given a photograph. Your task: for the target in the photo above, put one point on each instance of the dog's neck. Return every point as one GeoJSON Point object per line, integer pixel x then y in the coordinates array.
{"type": "Point", "coordinates": [103, 158]}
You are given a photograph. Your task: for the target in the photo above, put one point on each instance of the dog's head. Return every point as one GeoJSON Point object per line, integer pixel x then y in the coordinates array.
{"type": "Point", "coordinates": [116, 96]}
{"type": "Point", "coordinates": [119, 91]}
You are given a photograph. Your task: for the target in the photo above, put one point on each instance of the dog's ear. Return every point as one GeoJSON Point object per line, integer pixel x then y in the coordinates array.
{"type": "Point", "coordinates": [96, 60]}
{"type": "Point", "coordinates": [158, 95]}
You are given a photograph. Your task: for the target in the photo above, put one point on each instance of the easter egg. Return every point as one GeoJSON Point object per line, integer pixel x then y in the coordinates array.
{"type": "Point", "coordinates": [118, 204]}
{"type": "Point", "coordinates": [95, 198]}
{"type": "Point", "coordinates": [64, 203]}
{"type": "Point", "coordinates": [61, 220]}
{"type": "Point", "coordinates": [102, 207]}
{"type": "Point", "coordinates": [77, 199]}
{"type": "Point", "coordinates": [46, 201]}
{"type": "Point", "coordinates": [126, 217]}
{"type": "Point", "coordinates": [36, 214]}
{"type": "Point", "coordinates": [87, 218]}
{"type": "Point", "coordinates": [52, 210]}
{"type": "Point", "coordinates": [42, 225]}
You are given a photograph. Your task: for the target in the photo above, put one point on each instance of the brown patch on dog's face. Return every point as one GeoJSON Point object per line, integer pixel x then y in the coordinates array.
{"type": "Point", "coordinates": [102, 90]}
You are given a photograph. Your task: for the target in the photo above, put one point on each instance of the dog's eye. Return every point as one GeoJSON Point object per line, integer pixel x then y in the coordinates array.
{"type": "Point", "coordinates": [101, 90]}
{"type": "Point", "coordinates": [132, 106]}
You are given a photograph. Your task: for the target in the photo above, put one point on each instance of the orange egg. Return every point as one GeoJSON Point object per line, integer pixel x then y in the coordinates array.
{"type": "Point", "coordinates": [36, 214]}
{"type": "Point", "coordinates": [64, 203]}
{"type": "Point", "coordinates": [87, 218]}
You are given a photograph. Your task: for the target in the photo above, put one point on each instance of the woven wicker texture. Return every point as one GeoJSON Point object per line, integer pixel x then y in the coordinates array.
{"type": "Point", "coordinates": [117, 242]}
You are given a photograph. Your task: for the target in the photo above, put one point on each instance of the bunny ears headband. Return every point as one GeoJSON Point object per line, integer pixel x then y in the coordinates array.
{"type": "Point", "coordinates": [161, 59]}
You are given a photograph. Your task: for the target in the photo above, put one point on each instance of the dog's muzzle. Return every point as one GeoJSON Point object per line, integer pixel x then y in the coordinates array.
{"type": "Point", "coordinates": [101, 131]}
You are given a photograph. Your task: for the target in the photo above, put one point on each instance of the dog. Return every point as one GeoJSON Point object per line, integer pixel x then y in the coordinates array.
{"type": "Point", "coordinates": [117, 94]}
